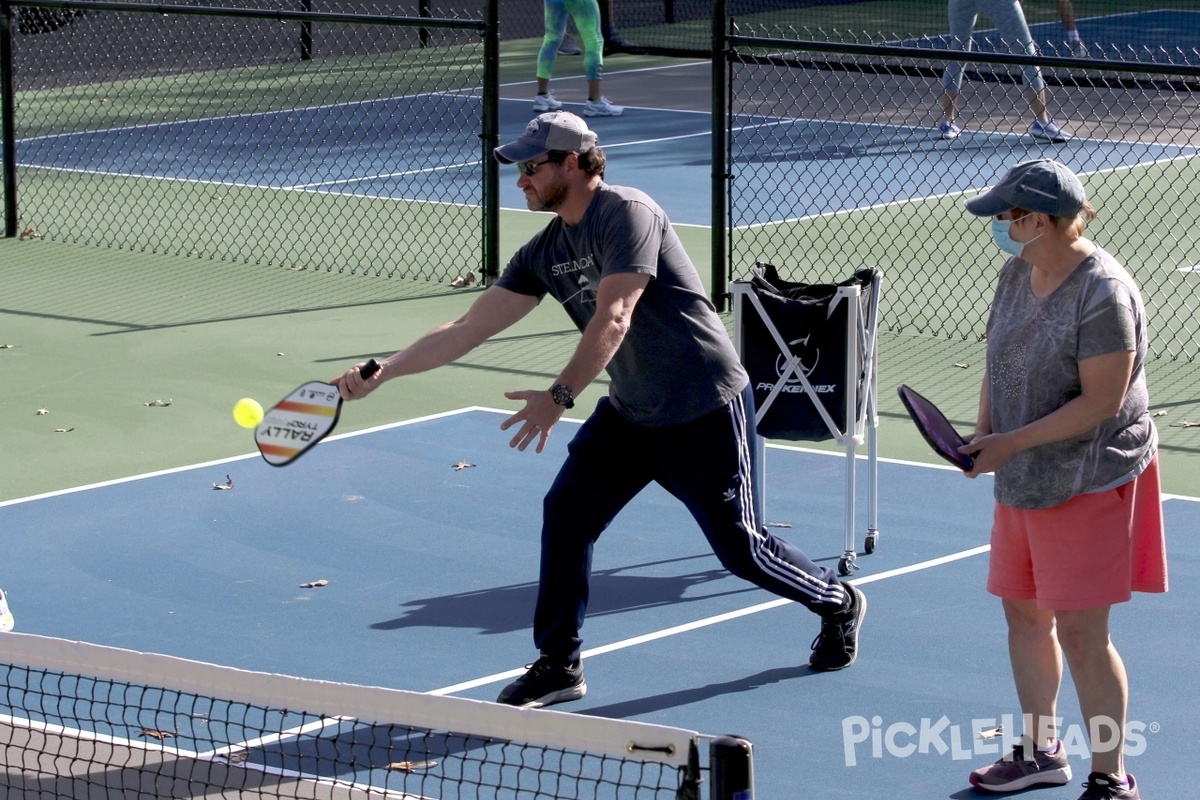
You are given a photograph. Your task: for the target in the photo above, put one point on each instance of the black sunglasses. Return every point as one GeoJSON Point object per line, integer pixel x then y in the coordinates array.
{"type": "Point", "coordinates": [530, 168]}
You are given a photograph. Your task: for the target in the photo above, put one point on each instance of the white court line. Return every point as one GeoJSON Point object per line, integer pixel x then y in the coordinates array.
{"type": "Point", "coordinates": [231, 459]}
{"type": "Point", "coordinates": [719, 618]}
{"type": "Point", "coordinates": [961, 192]}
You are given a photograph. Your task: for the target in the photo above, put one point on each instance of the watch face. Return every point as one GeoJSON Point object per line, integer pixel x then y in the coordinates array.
{"type": "Point", "coordinates": [562, 395]}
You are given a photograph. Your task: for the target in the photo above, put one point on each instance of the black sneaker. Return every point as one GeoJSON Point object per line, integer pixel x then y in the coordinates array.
{"type": "Point", "coordinates": [1105, 787]}
{"type": "Point", "coordinates": [547, 681]}
{"type": "Point", "coordinates": [615, 43]}
{"type": "Point", "coordinates": [836, 646]}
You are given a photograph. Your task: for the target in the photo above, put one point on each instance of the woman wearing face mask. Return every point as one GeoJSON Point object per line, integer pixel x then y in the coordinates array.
{"type": "Point", "coordinates": [1064, 424]}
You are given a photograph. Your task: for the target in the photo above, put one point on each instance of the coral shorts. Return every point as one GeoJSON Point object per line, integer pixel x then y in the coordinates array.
{"type": "Point", "coordinates": [1093, 550]}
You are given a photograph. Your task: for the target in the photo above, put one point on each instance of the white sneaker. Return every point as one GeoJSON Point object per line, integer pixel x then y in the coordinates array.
{"type": "Point", "coordinates": [1049, 130]}
{"type": "Point", "coordinates": [546, 102]}
{"type": "Point", "coordinates": [948, 130]}
{"type": "Point", "coordinates": [602, 108]}
{"type": "Point", "coordinates": [6, 618]}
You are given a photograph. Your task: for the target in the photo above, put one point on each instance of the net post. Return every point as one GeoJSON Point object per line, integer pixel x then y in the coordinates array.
{"type": "Point", "coordinates": [731, 762]}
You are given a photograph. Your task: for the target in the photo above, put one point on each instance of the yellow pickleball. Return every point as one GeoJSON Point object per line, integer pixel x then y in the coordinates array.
{"type": "Point", "coordinates": [247, 413]}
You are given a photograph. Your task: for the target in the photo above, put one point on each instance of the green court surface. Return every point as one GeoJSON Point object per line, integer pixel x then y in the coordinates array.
{"type": "Point", "coordinates": [97, 334]}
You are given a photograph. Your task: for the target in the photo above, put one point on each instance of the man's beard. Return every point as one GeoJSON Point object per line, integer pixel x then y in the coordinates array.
{"type": "Point", "coordinates": [551, 199]}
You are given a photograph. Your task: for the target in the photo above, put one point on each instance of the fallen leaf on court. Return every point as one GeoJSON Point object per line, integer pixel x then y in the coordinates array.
{"type": "Point", "coordinates": [279, 354]}
{"type": "Point", "coordinates": [314, 584]}
{"type": "Point", "coordinates": [779, 524]}
{"type": "Point", "coordinates": [30, 233]}
{"type": "Point", "coordinates": [961, 365]}
{"type": "Point", "coordinates": [7, 346]}
{"type": "Point", "coordinates": [63, 430]}
{"type": "Point", "coordinates": [461, 465]}
{"type": "Point", "coordinates": [158, 403]}
{"type": "Point", "coordinates": [151, 733]}
{"type": "Point", "coordinates": [1160, 413]}
{"type": "Point", "coordinates": [237, 757]}
{"type": "Point", "coordinates": [41, 412]}
{"type": "Point", "coordinates": [991, 733]}
{"type": "Point", "coordinates": [411, 766]}
{"type": "Point", "coordinates": [466, 279]}
{"type": "Point", "coordinates": [228, 484]}
{"type": "Point", "coordinates": [1184, 424]}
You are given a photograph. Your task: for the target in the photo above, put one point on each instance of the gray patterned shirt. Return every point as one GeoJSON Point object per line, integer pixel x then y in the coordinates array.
{"type": "Point", "coordinates": [1033, 354]}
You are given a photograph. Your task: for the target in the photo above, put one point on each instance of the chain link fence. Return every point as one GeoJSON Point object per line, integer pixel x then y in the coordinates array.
{"type": "Point", "coordinates": [834, 161]}
{"type": "Point", "coordinates": [334, 135]}
{"type": "Point", "coordinates": [323, 141]}
{"type": "Point", "coordinates": [685, 27]}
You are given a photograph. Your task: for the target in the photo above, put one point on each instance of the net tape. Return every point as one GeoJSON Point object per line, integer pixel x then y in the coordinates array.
{"type": "Point", "coordinates": [87, 716]}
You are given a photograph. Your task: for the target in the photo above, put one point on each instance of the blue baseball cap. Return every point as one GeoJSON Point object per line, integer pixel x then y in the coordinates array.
{"type": "Point", "coordinates": [554, 130]}
{"type": "Point", "coordinates": [1043, 186]}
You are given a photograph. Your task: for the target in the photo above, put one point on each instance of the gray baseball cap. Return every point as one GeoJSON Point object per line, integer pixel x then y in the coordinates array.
{"type": "Point", "coordinates": [554, 130]}
{"type": "Point", "coordinates": [1043, 186]}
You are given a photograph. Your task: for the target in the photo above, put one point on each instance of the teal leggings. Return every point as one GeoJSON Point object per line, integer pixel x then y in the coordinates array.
{"type": "Point", "coordinates": [586, 14]}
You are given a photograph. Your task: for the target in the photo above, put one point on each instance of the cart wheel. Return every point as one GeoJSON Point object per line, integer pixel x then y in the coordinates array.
{"type": "Point", "coordinates": [869, 545]}
{"type": "Point", "coordinates": [846, 565]}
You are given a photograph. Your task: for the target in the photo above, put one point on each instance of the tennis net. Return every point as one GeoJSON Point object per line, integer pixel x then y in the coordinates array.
{"type": "Point", "coordinates": [81, 720]}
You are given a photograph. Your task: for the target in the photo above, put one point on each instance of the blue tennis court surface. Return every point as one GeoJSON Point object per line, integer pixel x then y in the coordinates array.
{"type": "Point", "coordinates": [1166, 36]}
{"type": "Point", "coordinates": [432, 577]}
{"type": "Point", "coordinates": [398, 149]}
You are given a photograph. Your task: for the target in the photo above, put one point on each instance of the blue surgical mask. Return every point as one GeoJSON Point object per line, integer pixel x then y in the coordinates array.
{"type": "Point", "coordinates": [1003, 240]}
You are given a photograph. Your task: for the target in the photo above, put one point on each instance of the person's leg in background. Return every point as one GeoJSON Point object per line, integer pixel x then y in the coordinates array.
{"type": "Point", "coordinates": [613, 41]}
{"type": "Point", "coordinates": [962, 16]}
{"type": "Point", "coordinates": [1014, 31]}
{"type": "Point", "coordinates": [568, 47]}
{"type": "Point", "coordinates": [586, 14]}
{"type": "Point", "coordinates": [555, 24]}
{"type": "Point", "coordinates": [1066, 13]}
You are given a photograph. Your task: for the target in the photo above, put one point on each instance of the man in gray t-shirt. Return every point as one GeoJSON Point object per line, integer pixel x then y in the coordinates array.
{"type": "Point", "coordinates": [676, 362]}
{"type": "Point", "coordinates": [679, 410]}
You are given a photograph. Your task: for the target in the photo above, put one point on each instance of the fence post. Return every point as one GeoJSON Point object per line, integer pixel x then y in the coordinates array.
{"type": "Point", "coordinates": [8, 121]}
{"type": "Point", "coordinates": [490, 139]}
{"type": "Point", "coordinates": [720, 175]}
{"type": "Point", "coordinates": [306, 44]}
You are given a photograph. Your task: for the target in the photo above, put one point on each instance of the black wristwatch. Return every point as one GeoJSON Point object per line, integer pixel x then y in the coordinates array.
{"type": "Point", "coordinates": [562, 395]}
